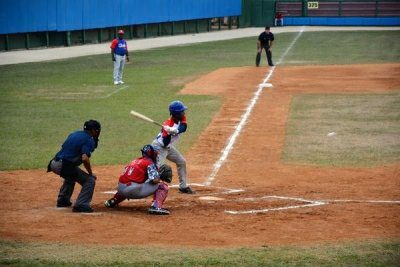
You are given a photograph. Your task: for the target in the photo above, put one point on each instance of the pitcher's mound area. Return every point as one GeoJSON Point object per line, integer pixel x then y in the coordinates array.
{"type": "Point", "coordinates": [254, 200]}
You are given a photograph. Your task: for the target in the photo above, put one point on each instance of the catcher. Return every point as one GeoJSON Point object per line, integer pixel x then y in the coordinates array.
{"type": "Point", "coordinates": [141, 178]}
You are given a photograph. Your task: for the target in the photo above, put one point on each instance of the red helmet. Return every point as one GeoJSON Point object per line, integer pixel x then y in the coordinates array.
{"type": "Point", "coordinates": [121, 32]}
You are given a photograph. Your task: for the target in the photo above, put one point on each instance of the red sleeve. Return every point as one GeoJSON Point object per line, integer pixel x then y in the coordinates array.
{"type": "Point", "coordinates": [183, 120]}
{"type": "Point", "coordinates": [169, 123]}
{"type": "Point", "coordinates": [114, 43]}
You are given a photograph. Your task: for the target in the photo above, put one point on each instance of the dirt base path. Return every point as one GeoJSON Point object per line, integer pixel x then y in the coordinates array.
{"type": "Point", "coordinates": [300, 199]}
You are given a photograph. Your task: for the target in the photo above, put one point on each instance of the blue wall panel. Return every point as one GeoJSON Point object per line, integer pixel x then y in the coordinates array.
{"type": "Point", "coordinates": [342, 21]}
{"type": "Point", "coordinates": [63, 15]}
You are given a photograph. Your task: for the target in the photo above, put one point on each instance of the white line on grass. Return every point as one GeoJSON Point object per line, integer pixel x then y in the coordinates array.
{"type": "Point", "coordinates": [232, 139]}
{"type": "Point", "coordinates": [116, 91]}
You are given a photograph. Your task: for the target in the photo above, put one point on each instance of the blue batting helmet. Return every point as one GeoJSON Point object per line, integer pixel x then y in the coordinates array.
{"type": "Point", "coordinates": [176, 107]}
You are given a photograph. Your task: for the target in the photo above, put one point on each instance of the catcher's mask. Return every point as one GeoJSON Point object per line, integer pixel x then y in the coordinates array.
{"type": "Point", "coordinates": [150, 152]}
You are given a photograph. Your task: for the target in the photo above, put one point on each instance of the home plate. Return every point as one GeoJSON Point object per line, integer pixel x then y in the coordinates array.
{"type": "Point", "coordinates": [210, 198]}
{"type": "Point", "coordinates": [266, 85]}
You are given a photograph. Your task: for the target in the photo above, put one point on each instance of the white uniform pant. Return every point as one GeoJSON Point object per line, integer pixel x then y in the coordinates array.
{"type": "Point", "coordinates": [119, 64]}
{"type": "Point", "coordinates": [172, 154]}
{"type": "Point", "coordinates": [137, 191]}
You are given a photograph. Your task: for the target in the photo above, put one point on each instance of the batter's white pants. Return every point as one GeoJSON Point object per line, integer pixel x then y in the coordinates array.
{"type": "Point", "coordinates": [172, 154]}
{"type": "Point", "coordinates": [119, 64]}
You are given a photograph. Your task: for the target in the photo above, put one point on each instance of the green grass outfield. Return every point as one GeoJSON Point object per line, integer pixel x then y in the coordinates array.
{"type": "Point", "coordinates": [366, 127]}
{"type": "Point", "coordinates": [350, 254]}
{"type": "Point", "coordinates": [41, 103]}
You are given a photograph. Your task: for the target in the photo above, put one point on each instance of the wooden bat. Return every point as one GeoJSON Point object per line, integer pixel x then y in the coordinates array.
{"type": "Point", "coordinates": [144, 118]}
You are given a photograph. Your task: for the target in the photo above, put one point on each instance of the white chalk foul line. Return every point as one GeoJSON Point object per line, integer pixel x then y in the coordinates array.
{"type": "Point", "coordinates": [308, 203]}
{"type": "Point", "coordinates": [232, 139]}
{"type": "Point", "coordinates": [116, 91]}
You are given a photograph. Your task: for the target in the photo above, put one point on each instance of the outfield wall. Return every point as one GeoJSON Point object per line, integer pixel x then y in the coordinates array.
{"type": "Point", "coordinates": [341, 21]}
{"type": "Point", "coordinates": [26, 24]}
{"type": "Point", "coordinates": [21, 16]}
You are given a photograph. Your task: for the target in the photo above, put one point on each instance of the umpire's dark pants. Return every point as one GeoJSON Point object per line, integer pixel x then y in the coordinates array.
{"type": "Point", "coordinates": [269, 55]}
{"type": "Point", "coordinates": [87, 182]}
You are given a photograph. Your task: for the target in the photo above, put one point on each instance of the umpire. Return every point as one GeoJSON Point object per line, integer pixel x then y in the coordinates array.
{"type": "Point", "coordinates": [265, 40]}
{"type": "Point", "coordinates": [77, 149]}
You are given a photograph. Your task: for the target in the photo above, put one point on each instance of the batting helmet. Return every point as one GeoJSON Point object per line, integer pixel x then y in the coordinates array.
{"type": "Point", "coordinates": [92, 125]}
{"type": "Point", "coordinates": [176, 107]}
{"type": "Point", "coordinates": [150, 152]}
{"type": "Point", "coordinates": [121, 32]}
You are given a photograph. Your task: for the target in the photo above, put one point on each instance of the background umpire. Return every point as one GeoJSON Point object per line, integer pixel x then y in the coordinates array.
{"type": "Point", "coordinates": [77, 149]}
{"type": "Point", "coordinates": [265, 40]}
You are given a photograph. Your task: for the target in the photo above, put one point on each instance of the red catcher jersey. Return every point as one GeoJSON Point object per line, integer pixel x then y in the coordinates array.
{"type": "Point", "coordinates": [136, 171]}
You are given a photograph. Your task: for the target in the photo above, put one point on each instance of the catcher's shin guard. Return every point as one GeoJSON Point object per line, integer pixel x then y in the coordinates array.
{"type": "Point", "coordinates": [160, 195]}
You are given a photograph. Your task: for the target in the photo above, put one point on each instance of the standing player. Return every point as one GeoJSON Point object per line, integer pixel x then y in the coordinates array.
{"type": "Point", "coordinates": [265, 40]}
{"type": "Point", "coordinates": [141, 178]}
{"type": "Point", "coordinates": [164, 143]}
{"type": "Point", "coordinates": [77, 150]}
{"type": "Point", "coordinates": [119, 53]}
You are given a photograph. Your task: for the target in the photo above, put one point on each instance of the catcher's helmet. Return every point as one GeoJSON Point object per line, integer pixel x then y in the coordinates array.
{"type": "Point", "coordinates": [150, 152]}
{"type": "Point", "coordinates": [176, 108]}
{"type": "Point", "coordinates": [92, 125]}
{"type": "Point", "coordinates": [121, 32]}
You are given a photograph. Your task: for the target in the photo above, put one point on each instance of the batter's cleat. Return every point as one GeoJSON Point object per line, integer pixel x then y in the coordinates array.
{"type": "Point", "coordinates": [158, 211]}
{"type": "Point", "coordinates": [187, 190]}
{"type": "Point", "coordinates": [111, 203]}
{"type": "Point", "coordinates": [120, 82]}
{"type": "Point", "coordinates": [64, 204]}
{"type": "Point", "coordinates": [83, 209]}
{"type": "Point", "coordinates": [116, 83]}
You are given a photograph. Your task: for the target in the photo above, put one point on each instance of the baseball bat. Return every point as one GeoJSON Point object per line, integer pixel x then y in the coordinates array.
{"type": "Point", "coordinates": [144, 118]}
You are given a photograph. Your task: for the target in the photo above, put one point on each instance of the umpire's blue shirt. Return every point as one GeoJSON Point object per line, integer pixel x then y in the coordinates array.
{"type": "Point", "coordinates": [77, 144]}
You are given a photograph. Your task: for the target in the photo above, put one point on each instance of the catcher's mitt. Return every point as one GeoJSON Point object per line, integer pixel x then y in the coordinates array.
{"type": "Point", "coordinates": [165, 172]}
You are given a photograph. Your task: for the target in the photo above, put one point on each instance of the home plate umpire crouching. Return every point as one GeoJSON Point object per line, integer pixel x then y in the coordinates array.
{"type": "Point", "coordinates": [77, 149]}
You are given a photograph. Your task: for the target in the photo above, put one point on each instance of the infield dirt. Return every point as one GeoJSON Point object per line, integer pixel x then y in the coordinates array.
{"type": "Point", "coordinates": [27, 199]}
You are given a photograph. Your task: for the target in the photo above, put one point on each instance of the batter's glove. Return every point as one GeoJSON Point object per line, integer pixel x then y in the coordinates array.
{"type": "Point", "coordinates": [165, 172]}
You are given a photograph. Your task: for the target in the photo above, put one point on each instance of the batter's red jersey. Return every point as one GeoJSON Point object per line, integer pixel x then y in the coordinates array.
{"type": "Point", "coordinates": [136, 171]}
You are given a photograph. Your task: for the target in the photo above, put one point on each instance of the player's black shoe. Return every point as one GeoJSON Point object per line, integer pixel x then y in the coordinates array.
{"type": "Point", "coordinates": [111, 203]}
{"type": "Point", "coordinates": [83, 209]}
{"type": "Point", "coordinates": [187, 190]}
{"type": "Point", "coordinates": [64, 204]}
{"type": "Point", "coordinates": [158, 211]}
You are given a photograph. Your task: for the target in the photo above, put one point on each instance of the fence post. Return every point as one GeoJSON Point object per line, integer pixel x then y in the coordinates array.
{"type": "Point", "coordinates": [376, 8]}
{"type": "Point", "coordinates": [83, 37]}
{"type": "Point", "coordinates": [184, 27]}
{"type": "Point", "coordinates": [197, 26]}
{"type": "Point", "coordinates": [47, 39]}
{"type": "Point", "coordinates": [68, 33]}
{"type": "Point", "coordinates": [131, 32]}
{"type": "Point", "coordinates": [304, 9]}
{"type": "Point", "coordinates": [208, 25]}
{"type": "Point", "coordinates": [159, 29]}
{"type": "Point", "coordinates": [172, 28]}
{"type": "Point", "coordinates": [27, 41]}
{"type": "Point", "coordinates": [229, 23]}
{"type": "Point", "coordinates": [340, 8]}
{"type": "Point", "coordinates": [100, 35]}
{"type": "Point", "coordinates": [145, 31]}
{"type": "Point", "coordinates": [238, 22]}
{"type": "Point", "coordinates": [219, 24]}
{"type": "Point", "coordinates": [7, 42]}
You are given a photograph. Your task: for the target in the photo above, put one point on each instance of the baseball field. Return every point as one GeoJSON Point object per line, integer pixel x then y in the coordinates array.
{"type": "Point", "coordinates": [298, 164]}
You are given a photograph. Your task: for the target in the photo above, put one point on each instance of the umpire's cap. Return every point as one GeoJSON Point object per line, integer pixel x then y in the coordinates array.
{"type": "Point", "coordinates": [92, 125]}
